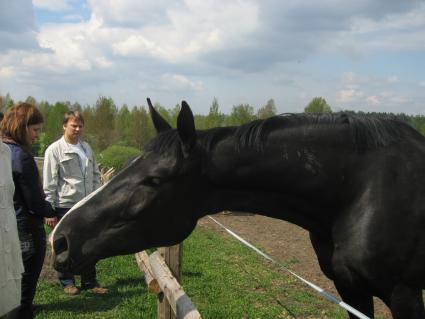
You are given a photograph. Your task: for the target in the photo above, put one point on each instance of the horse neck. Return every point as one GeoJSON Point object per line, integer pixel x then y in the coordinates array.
{"type": "Point", "coordinates": [291, 179]}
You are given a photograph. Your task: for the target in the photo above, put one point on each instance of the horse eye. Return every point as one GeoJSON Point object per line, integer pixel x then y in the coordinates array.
{"type": "Point", "coordinates": [151, 181]}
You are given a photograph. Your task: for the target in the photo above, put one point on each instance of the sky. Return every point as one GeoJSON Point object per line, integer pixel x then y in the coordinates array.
{"type": "Point", "coordinates": [366, 55]}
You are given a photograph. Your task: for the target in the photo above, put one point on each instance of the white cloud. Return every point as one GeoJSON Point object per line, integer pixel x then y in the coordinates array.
{"type": "Point", "coordinates": [7, 72]}
{"type": "Point", "coordinates": [422, 83]}
{"type": "Point", "coordinates": [73, 17]}
{"type": "Point", "coordinates": [393, 79]}
{"type": "Point", "coordinates": [136, 45]}
{"type": "Point", "coordinates": [369, 91]}
{"type": "Point", "coordinates": [130, 13]}
{"type": "Point", "coordinates": [179, 82]}
{"type": "Point", "coordinates": [374, 100]}
{"type": "Point", "coordinates": [354, 80]}
{"type": "Point", "coordinates": [231, 34]}
{"type": "Point", "coordinates": [349, 98]}
{"type": "Point", "coordinates": [187, 30]}
{"type": "Point", "coordinates": [395, 98]}
{"type": "Point", "coordinates": [349, 95]}
{"type": "Point", "coordinates": [52, 5]}
{"type": "Point", "coordinates": [67, 49]}
{"type": "Point", "coordinates": [350, 78]}
{"type": "Point", "coordinates": [103, 62]}
{"type": "Point", "coordinates": [74, 46]}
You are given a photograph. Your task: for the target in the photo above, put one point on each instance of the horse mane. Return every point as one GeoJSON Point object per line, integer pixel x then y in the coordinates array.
{"type": "Point", "coordinates": [374, 131]}
{"type": "Point", "coordinates": [367, 131]}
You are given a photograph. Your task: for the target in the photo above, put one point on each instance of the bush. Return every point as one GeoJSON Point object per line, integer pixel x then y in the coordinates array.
{"type": "Point", "coordinates": [117, 156]}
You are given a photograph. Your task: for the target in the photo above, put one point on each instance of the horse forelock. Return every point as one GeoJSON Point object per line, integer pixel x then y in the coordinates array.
{"type": "Point", "coordinates": [162, 142]}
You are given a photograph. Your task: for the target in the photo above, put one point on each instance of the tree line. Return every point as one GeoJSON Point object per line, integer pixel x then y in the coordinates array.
{"type": "Point", "coordinates": [107, 125]}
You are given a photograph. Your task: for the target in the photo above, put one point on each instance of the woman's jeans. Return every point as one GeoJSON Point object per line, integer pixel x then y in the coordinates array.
{"type": "Point", "coordinates": [33, 246]}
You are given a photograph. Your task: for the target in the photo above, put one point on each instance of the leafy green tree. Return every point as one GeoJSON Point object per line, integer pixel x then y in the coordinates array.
{"type": "Point", "coordinates": [214, 117]}
{"type": "Point", "coordinates": [53, 124]}
{"type": "Point", "coordinates": [103, 122]}
{"type": "Point", "coordinates": [5, 103]}
{"type": "Point", "coordinates": [76, 107]}
{"type": "Point", "coordinates": [31, 100]}
{"type": "Point", "coordinates": [267, 110]}
{"type": "Point", "coordinates": [44, 108]}
{"type": "Point", "coordinates": [89, 135]}
{"type": "Point", "coordinates": [165, 113]}
{"type": "Point", "coordinates": [142, 129]}
{"type": "Point", "coordinates": [174, 113]}
{"type": "Point", "coordinates": [318, 105]}
{"type": "Point", "coordinates": [123, 125]}
{"type": "Point", "coordinates": [417, 121]}
{"type": "Point", "coordinates": [241, 114]}
{"type": "Point", "coordinates": [200, 121]}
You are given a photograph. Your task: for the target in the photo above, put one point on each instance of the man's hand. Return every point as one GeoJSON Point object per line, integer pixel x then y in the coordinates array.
{"type": "Point", "coordinates": [51, 222]}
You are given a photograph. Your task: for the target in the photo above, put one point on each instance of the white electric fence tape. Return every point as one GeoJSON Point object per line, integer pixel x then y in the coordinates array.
{"type": "Point", "coordinates": [321, 291]}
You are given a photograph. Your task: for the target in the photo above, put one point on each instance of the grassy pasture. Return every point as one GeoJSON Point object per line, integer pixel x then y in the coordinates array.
{"type": "Point", "coordinates": [223, 278]}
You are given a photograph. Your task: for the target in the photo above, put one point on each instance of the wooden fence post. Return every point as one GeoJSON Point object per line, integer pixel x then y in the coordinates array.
{"type": "Point", "coordinates": [172, 256]}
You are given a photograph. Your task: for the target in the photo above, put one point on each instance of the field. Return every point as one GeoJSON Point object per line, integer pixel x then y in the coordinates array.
{"type": "Point", "coordinates": [223, 278]}
{"type": "Point", "coordinates": [287, 243]}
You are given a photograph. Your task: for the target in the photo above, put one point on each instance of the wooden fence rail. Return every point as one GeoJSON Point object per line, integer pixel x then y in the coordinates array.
{"type": "Point", "coordinates": [142, 259]}
{"type": "Point", "coordinates": [173, 301]}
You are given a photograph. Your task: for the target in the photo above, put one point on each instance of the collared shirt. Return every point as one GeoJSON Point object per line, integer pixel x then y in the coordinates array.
{"type": "Point", "coordinates": [65, 182]}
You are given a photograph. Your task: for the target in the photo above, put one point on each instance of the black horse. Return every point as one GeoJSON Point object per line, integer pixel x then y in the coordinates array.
{"type": "Point", "coordinates": [355, 182]}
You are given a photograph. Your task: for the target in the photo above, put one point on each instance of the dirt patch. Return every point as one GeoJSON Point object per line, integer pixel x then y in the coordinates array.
{"type": "Point", "coordinates": [285, 242]}
{"type": "Point", "coordinates": [48, 273]}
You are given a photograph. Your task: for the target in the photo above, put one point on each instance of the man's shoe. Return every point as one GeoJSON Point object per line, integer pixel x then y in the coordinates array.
{"type": "Point", "coordinates": [71, 290]}
{"type": "Point", "coordinates": [98, 289]}
{"type": "Point", "coordinates": [94, 287]}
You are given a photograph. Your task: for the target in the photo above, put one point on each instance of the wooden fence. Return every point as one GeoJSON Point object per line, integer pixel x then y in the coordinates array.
{"type": "Point", "coordinates": [162, 271]}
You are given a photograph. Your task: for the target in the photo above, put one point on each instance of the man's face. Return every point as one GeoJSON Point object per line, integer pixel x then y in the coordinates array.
{"type": "Point", "coordinates": [73, 129]}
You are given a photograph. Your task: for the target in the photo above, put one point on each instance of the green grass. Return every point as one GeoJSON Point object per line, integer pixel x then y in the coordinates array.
{"type": "Point", "coordinates": [128, 297]}
{"type": "Point", "coordinates": [223, 278]}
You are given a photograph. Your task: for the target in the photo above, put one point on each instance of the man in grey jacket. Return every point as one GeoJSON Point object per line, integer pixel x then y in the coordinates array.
{"type": "Point", "coordinates": [70, 173]}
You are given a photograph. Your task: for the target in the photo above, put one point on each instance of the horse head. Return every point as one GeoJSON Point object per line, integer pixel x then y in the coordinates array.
{"type": "Point", "coordinates": [145, 205]}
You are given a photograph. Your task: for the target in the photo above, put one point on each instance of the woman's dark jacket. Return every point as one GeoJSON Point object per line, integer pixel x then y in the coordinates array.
{"type": "Point", "coordinates": [30, 206]}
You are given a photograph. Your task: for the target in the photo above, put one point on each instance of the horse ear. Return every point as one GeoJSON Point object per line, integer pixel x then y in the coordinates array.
{"type": "Point", "coordinates": [186, 128]}
{"type": "Point", "coordinates": [159, 123]}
